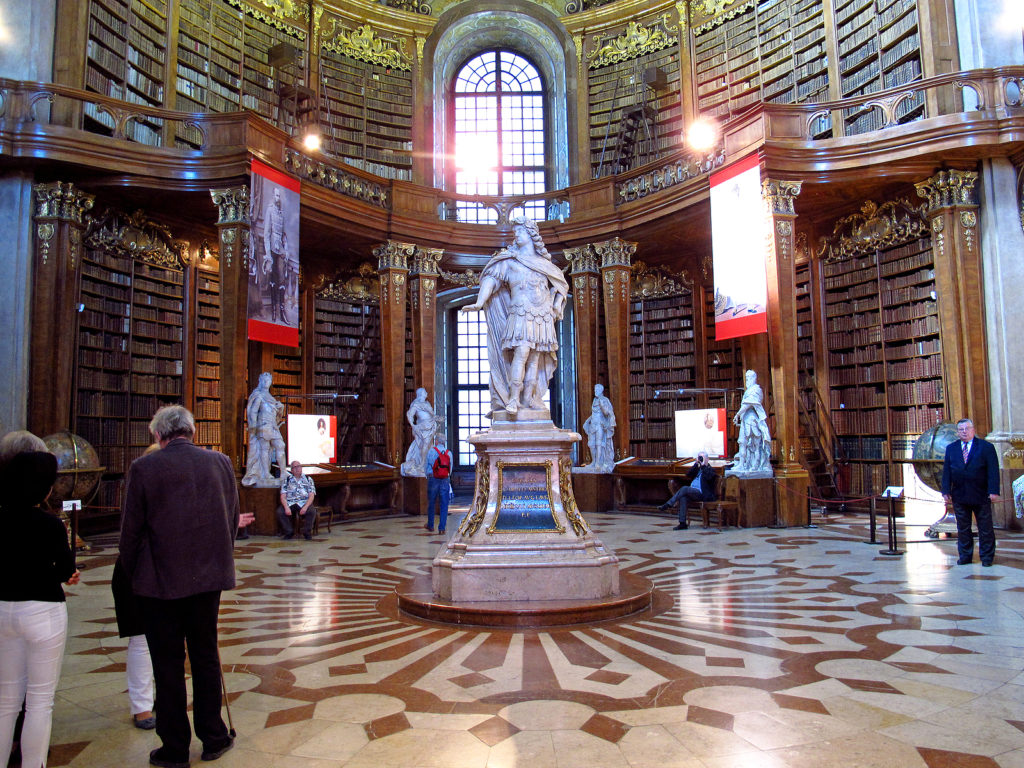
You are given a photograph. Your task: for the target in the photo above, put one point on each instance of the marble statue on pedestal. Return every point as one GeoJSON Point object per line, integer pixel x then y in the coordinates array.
{"type": "Point", "coordinates": [523, 294]}
{"type": "Point", "coordinates": [264, 413]}
{"type": "Point", "coordinates": [755, 442]}
{"type": "Point", "coordinates": [600, 427]}
{"type": "Point", "coordinates": [423, 421]}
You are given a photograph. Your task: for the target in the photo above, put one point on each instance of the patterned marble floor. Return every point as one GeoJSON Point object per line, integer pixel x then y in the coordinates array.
{"type": "Point", "coordinates": [792, 648]}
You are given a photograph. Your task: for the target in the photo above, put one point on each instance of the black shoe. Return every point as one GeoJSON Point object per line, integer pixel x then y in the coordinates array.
{"type": "Point", "coordinates": [986, 563]}
{"type": "Point", "coordinates": [962, 561]}
{"type": "Point", "coordinates": [681, 527]}
{"type": "Point", "coordinates": [157, 758]}
{"type": "Point", "coordinates": [288, 536]}
{"type": "Point", "coordinates": [307, 536]}
{"type": "Point", "coordinates": [663, 508]}
{"type": "Point", "coordinates": [428, 528]}
{"type": "Point", "coordinates": [241, 536]}
{"type": "Point", "coordinates": [440, 530]}
{"type": "Point", "coordinates": [213, 754]}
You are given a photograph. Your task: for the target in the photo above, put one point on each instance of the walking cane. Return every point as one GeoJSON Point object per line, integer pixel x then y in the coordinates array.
{"type": "Point", "coordinates": [227, 706]}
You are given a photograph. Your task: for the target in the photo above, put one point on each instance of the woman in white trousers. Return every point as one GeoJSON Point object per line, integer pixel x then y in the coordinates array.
{"type": "Point", "coordinates": [33, 614]}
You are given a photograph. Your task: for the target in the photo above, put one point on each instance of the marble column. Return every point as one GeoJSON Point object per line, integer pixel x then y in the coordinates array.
{"type": "Point", "coordinates": [59, 224]}
{"type": "Point", "coordinates": [616, 255]}
{"type": "Point", "coordinates": [233, 236]}
{"type": "Point", "coordinates": [586, 287]}
{"type": "Point", "coordinates": [952, 211]}
{"type": "Point", "coordinates": [791, 477]}
{"type": "Point", "coordinates": [393, 266]}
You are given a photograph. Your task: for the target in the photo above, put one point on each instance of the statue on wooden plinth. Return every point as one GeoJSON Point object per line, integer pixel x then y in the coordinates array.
{"type": "Point", "coordinates": [264, 413]}
{"type": "Point", "coordinates": [523, 294]}
{"type": "Point", "coordinates": [600, 427]}
{"type": "Point", "coordinates": [423, 421]}
{"type": "Point", "coordinates": [755, 442]}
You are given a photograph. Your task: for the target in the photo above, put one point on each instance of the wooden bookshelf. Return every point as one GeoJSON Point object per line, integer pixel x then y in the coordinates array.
{"type": "Point", "coordinates": [885, 358]}
{"type": "Point", "coordinates": [368, 110]}
{"type": "Point", "coordinates": [207, 339]}
{"type": "Point", "coordinates": [661, 357]}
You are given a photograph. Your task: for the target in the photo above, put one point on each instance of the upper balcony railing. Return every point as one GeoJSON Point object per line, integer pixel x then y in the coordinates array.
{"type": "Point", "coordinates": [55, 121]}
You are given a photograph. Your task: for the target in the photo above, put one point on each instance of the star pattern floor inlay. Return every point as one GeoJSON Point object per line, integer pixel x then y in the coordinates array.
{"type": "Point", "coordinates": [765, 648]}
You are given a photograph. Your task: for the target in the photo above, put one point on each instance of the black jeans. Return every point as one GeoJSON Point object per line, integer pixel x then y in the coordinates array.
{"type": "Point", "coordinates": [964, 536]}
{"type": "Point", "coordinates": [683, 496]}
{"type": "Point", "coordinates": [286, 516]}
{"type": "Point", "coordinates": [171, 625]}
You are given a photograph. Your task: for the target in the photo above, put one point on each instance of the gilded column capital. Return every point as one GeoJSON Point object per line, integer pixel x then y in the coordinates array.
{"type": "Point", "coordinates": [581, 259]}
{"type": "Point", "coordinates": [615, 252]}
{"type": "Point", "coordinates": [232, 205]}
{"type": "Point", "coordinates": [62, 201]}
{"type": "Point", "coordinates": [393, 255]}
{"type": "Point", "coordinates": [948, 188]}
{"type": "Point", "coordinates": [780, 195]}
{"type": "Point", "coordinates": [427, 262]}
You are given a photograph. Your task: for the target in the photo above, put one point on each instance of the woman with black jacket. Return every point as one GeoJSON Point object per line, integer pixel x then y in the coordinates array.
{"type": "Point", "coordinates": [33, 614]}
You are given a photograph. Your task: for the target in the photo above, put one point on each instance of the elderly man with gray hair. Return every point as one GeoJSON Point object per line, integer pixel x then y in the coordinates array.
{"type": "Point", "coordinates": [177, 531]}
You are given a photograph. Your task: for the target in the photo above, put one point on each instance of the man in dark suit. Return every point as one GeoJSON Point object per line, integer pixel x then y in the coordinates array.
{"type": "Point", "coordinates": [701, 485]}
{"type": "Point", "coordinates": [177, 532]}
{"type": "Point", "coordinates": [970, 479]}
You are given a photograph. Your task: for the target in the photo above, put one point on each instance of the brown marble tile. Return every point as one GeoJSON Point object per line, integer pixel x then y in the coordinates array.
{"type": "Point", "coordinates": [801, 640]}
{"type": "Point", "coordinates": [710, 717]}
{"type": "Point", "coordinates": [385, 726]}
{"type": "Point", "coordinates": [609, 678]}
{"type": "Point", "coordinates": [494, 731]}
{"type": "Point", "coordinates": [288, 716]}
{"type": "Point", "coordinates": [605, 728]}
{"type": "Point", "coordinates": [951, 650]}
{"type": "Point", "coordinates": [724, 661]}
{"type": "Point", "coordinates": [490, 653]}
{"type": "Point", "coordinates": [471, 680]}
{"type": "Point", "coordinates": [63, 754]}
{"type": "Point", "coordinates": [579, 653]}
{"type": "Point", "coordinates": [910, 666]}
{"type": "Point", "coordinates": [347, 669]}
{"type": "Point", "coordinates": [871, 686]}
{"type": "Point", "coordinates": [800, 703]}
{"type": "Point", "coordinates": [262, 652]}
{"type": "Point", "coordinates": [940, 758]}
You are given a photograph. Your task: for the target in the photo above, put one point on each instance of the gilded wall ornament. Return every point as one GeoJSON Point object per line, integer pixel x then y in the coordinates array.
{"type": "Point", "coordinates": [466, 279]}
{"type": "Point", "coordinates": [364, 44]}
{"type": "Point", "coordinates": [136, 236]}
{"type": "Point", "coordinates": [63, 201]}
{"type": "Point", "coordinates": [656, 282]}
{"type": "Point", "coordinates": [615, 252]}
{"type": "Point", "coordinates": [232, 205]}
{"type": "Point", "coordinates": [277, 14]}
{"type": "Point", "coordinates": [949, 188]}
{"type": "Point", "coordinates": [876, 226]}
{"type": "Point", "coordinates": [581, 259]}
{"type": "Point", "coordinates": [636, 41]}
{"type": "Point", "coordinates": [44, 233]}
{"type": "Point", "coordinates": [781, 195]}
{"type": "Point", "coordinates": [394, 255]}
{"type": "Point", "coordinates": [361, 288]}
{"type": "Point", "coordinates": [717, 12]}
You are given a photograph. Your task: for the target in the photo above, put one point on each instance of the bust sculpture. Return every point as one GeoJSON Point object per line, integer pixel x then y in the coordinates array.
{"type": "Point", "coordinates": [423, 421]}
{"type": "Point", "coordinates": [523, 294]}
{"type": "Point", "coordinates": [264, 414]}
{"type": "Point", "coordinates": [753, 459]}
{"type": "Point", "coordinates": [600, 427]}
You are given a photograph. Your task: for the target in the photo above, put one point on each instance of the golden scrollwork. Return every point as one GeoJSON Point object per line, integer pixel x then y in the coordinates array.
{"type": "Point", "coordinates": [361, 288]}
{"type": "Point", "coordinates": [891, 223]}
{"type": "Point", "coordinates": [656, 282]}
{"type": "Point", "coordinates": [479, 508]}
{"type": "Point", "coordinates": [615, 252]}
{"type": "Point", "coordinates": [138, 237]}
{"type": "Point", "coordinates": [949, 188]}
{"type": "Point", "coordinates": [427, 261]}
{"type": "Point", "coordinates": [277, 14]}
{"type": "Point", "coordinates": [394, 255]}
{"type": "Point", "coordinates": [467, 278]}
{"type": "Point", "coordinates": [781, 195]}
{"type": "Point", "coordinates": [63, 201]}
{"type": "Point", "coordinates": [44, 233]}
{"type": "Point", "coordinates": [364, 44]}
{"type": "Point", "coordinates": [572, 512]}
{"type": "Point", "coordinates": [636, 41]}
{"type": "Point", "coordinates": [232, 205]}
{"type": "Point", "coordinates": [716, 12]}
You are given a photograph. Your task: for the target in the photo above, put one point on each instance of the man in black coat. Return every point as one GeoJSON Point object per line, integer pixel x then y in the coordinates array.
{"type": "Point", "coordinates": [701, 485]}
{"type": "Point", "coordinates": [177, 533]}
{"type": "Point", "coordinates": [970, 479]}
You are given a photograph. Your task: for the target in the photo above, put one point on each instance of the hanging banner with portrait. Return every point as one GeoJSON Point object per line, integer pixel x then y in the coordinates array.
{"type": "Point", "coordinates": [742, 239]}
{"type": "Point", "coordinates": [273, 303]}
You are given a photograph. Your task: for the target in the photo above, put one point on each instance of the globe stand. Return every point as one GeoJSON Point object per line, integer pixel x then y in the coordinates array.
{"type": "Point", "coordinates": [892, 550]}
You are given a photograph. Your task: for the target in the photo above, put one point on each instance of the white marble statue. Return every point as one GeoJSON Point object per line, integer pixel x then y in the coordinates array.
{"type": "Point", "coordinates": [264, 414]}
{"type": "Point", "coordinates": [600, 426]}
{"type": "Point", "coordinates": [423, 421]}
{"type": "Point", "coordinates": [755, 442]}
{"type": "Point", "coordinates": [523, 294]}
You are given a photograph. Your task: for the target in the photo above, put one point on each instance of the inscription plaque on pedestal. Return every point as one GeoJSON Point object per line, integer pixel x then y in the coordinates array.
{"type": "Point", "coordinates": [524, 499]}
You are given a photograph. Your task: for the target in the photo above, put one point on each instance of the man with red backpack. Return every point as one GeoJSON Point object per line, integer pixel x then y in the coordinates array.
{"type": "Point", "coordinates": [438, 469]}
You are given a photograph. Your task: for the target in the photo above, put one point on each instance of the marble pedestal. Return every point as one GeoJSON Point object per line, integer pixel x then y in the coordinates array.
{"type": "Point", "coordinates": [524, 538]}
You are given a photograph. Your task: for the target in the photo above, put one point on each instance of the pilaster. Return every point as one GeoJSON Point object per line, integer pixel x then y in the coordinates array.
{"type": "Point", "coordinates": [952, 211]}
{"type": "Point", "coordinates": [616, 257]}
{"type": "Point", "coordinates": [793, 480]}
{"type": "Point", "coordinates": [586, 287]}
{"type": "Point", "coordinates": [59, 223]}
{"type": "Point", "coordinates": [426, 267]}
{"type": "Point", "coordinates": [393, 266]}
{"type": "Point", "coordinates": [233, 236]}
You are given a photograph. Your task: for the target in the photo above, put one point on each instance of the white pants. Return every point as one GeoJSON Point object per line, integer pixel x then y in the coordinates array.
{"type": "Point", "coordinates": [32, 635]}
{"type": "Point", "coordinates": [139, 673]}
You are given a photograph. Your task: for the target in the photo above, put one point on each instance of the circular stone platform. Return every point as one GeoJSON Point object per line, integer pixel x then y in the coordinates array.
{"type": "Point", "coordinates": [416, 598]}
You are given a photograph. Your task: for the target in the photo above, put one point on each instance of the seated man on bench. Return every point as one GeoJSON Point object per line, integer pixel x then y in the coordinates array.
{"type": "Point", "coordinates": [701, 485]}
{"type": "Point", "coordinates": [297, 494]}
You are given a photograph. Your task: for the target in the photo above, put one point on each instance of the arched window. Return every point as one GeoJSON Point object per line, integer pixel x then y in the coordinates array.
{"type": "Point", "coordinates": [499, 133]}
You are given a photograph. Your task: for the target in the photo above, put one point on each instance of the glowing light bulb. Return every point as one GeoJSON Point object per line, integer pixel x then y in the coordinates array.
{"type": "Point", "coordinates": [702, 135]}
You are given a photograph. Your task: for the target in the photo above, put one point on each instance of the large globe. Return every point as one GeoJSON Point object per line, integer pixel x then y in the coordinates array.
{"type": "Point", "coordinates": [78, 467]}
{"type": "Point", "coordinates": [930, 452]}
